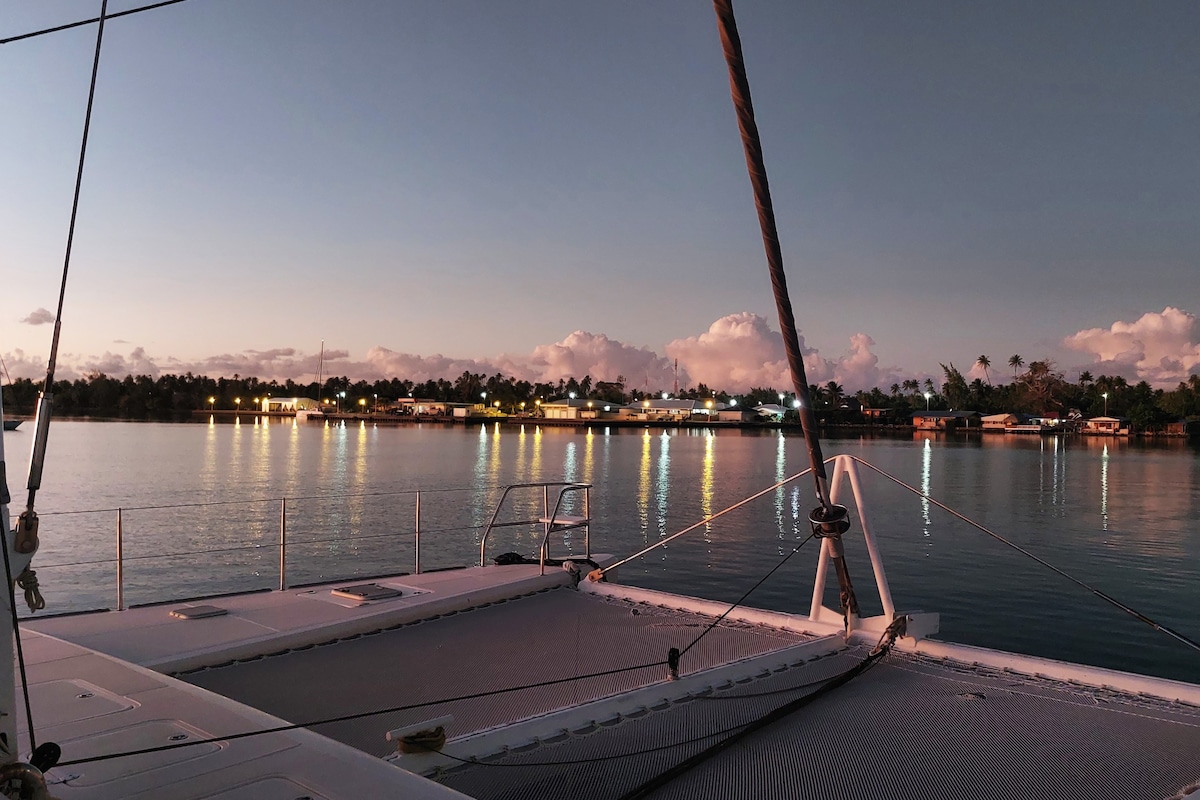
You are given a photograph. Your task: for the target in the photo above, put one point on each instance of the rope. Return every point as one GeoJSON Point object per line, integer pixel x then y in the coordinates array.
{"type": "Point", "coordinates": [70, 25]}
{"type": "Point", "coordinates": [742, 599]}
{"type": "Point", "coordinates": [1102, 595]}
{"type": "Point", "coordinates": [739, 90]}
{"type": "Point", "coordinates": [873, 658]}
{"type": "Point", "coordinates": [16, 628]}
{"type": "Point", "coordinates": [360, 715]}
{"type": "Point", "coordinates": [705, 521]}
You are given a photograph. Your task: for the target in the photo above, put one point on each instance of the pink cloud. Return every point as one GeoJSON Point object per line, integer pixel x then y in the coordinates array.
{"type": "Point", "coordinates": [740, 351]}
{"type": "Point", "coordinates": [1160, 348]}
{"type": "Point", "coordinates": [39, 317]}
{"type": "Point", "coordinates": [737, 352]}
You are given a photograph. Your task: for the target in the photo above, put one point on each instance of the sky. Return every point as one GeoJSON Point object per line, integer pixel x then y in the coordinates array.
{"type": "Point", "coordinates": [551, 189]}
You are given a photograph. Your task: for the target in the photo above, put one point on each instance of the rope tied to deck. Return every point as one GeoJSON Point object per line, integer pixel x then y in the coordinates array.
{"type": "Point", "coordinates": [28, 581]}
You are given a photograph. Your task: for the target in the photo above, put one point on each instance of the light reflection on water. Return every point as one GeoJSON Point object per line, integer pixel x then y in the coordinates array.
{"type": "Point", "coordinates": [1118, 514]}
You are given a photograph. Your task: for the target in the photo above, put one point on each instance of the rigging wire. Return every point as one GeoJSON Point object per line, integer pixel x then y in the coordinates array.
{"type": "Point", "coordinates": [478, 695]}
{"type": "Point", "coordinates": [28, 577]}
{"type": "Point", "coordinates": [874, 657]}
{"type": "Point", "coordinates": [1158, 626]}
{"type": "Point", "coordinates": [749, 592]}
{"type": "Point", "coordinates": [101, 18]}
{"type": "Point", "coordinates": [364, 714]}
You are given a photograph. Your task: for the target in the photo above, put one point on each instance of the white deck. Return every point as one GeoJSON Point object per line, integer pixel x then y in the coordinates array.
{"type": "Point", "coordinates": [949, 720]}
{"type": "Point", "coordinates": [96, 688]}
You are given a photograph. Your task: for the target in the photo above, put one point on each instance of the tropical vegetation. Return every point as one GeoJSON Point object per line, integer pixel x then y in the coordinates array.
{"type": "Point", "coordinates": [1036, 388]}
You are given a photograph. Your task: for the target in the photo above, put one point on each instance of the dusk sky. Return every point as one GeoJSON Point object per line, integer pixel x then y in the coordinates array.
{"type": "Point", "coordinates": [552, 188]}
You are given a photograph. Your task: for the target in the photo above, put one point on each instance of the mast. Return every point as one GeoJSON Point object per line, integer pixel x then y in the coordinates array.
{"type": "Point", "coordinates": [320, 367]}
{"type": "Point", "coordinates": [829, 521]}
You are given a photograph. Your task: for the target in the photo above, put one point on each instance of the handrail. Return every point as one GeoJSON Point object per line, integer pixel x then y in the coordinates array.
{"type": "Point", "coordinates": [552, 524]}
{"type": "Point", "coordinates": [284, 545]}
{"type": "Point", "coordinates": [545, 486]}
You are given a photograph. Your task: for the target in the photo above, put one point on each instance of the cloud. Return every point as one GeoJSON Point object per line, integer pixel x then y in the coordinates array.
{"type": "Point", "coordinates": [39, 317]}
{"type": "Point", "coordinates": [740, 351]}
{"type": "Point", "coordinates": [736, 353]}
{"type": "Point", "coordinates": [605, 359]}
{"type": "Point", "coordinates": [1160, 348]}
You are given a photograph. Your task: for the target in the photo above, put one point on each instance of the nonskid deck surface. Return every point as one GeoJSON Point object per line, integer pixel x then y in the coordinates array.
{"type": "Point", "coordinates": [910, 727]}
{"type": "Point", "coordinates": [548, 635]}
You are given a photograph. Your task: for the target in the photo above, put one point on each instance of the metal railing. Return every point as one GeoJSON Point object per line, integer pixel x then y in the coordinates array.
{"type": "Point", "coordinates": [549, 521]}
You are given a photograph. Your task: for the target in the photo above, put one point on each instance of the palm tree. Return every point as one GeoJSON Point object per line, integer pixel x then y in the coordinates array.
{"type": "Point", "coordinates": [1016, 362]}
{"type": "Point", "coordinates": [895, 390]}
{"type": "Point", "coordinates": [1085, 378]}
{"type": "Point", "coordinates": [834, 393]}
{"type": "Point", "coordinates": [985, 362]}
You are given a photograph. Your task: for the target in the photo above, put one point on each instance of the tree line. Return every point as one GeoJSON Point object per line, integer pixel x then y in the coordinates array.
{"type": "Point", "coordinates": [1036, 388]}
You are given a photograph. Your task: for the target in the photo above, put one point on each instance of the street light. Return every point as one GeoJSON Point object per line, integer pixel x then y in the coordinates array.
{"type": "Point", "coordinates": [781, 398]}
{"type": "Point", "coordinates": [340, 396]}
{"type": "Point", "coordinates": [927, 396]}
{"type": "Point", "coordinates": [362, 404]}
{"type": "Point", "coordinates": [212, 404]}
{"type": "Point", "coordinates": [237, 401]}
{"type": "Point", "coordinates": [375, 407]}
{"type": "Point", "coordinates": [1105, 396]}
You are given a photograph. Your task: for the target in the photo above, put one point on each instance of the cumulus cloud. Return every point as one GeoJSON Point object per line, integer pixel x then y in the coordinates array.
{"type": "Point", "coordinates": [740, 351]}
{"type": "Point", "coordinates": [737, 352]}
{"type": "Point", "coordinates": [1161, 348]}
{"type": "Point", "coordinates": [605, 359]}
{"type": "Point", "coordinates": [39, 317]}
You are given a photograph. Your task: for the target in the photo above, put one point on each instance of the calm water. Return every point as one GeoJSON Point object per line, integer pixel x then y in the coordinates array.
{"type": "Point", "coordinates": [201, 511]}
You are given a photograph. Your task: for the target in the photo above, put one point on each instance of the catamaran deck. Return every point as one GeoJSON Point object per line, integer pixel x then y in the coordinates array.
{"type": "Point", "coordinates": [912, 726]}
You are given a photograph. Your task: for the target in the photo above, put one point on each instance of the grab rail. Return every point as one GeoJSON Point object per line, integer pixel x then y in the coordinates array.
{"type": "Point", "coordinates": [551, 522]}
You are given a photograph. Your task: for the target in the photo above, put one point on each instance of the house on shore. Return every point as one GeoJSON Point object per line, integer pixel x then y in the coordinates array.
{"type": "Point", "coordinates": [944, 420]}
{"type": "Point", "coordinates": [660, 410]}
{"type": "Point", "coordinates": [1106, 426]}
{"type": "Point", "coordinates": [570, 408]}
{"type": "Point", "coordinates": [879, 416]}
{"type": "Point", "coordinates": [998, 423]}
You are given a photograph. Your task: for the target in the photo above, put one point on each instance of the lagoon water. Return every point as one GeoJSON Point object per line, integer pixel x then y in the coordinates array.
{"type": "Point", "coordinates": [201, 505]}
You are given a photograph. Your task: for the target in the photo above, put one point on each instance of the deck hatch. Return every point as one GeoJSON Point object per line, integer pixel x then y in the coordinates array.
{"type": "Point", "coordinates": [367, 591]}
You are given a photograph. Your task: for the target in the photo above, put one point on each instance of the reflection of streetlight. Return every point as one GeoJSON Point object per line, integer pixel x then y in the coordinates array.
{"type": "Point", "coordinates": [927, 396]}
{"type": "Point", "coordinates": [1105, 396]}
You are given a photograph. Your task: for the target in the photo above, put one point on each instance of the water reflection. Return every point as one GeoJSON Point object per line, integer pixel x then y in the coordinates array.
{"type": "Point", "coordinates": [780, 474]}
{"type": "Point", "coordinates": [662, 488]}
{"type": "Point", "coordinates": [926, 476]}
{"type": "Point", "coordinates": [706, 486]}
{"type": "Point", "coordinates": [1104, 488]}
{"type": "Point", "coordinates": [643, 489]}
